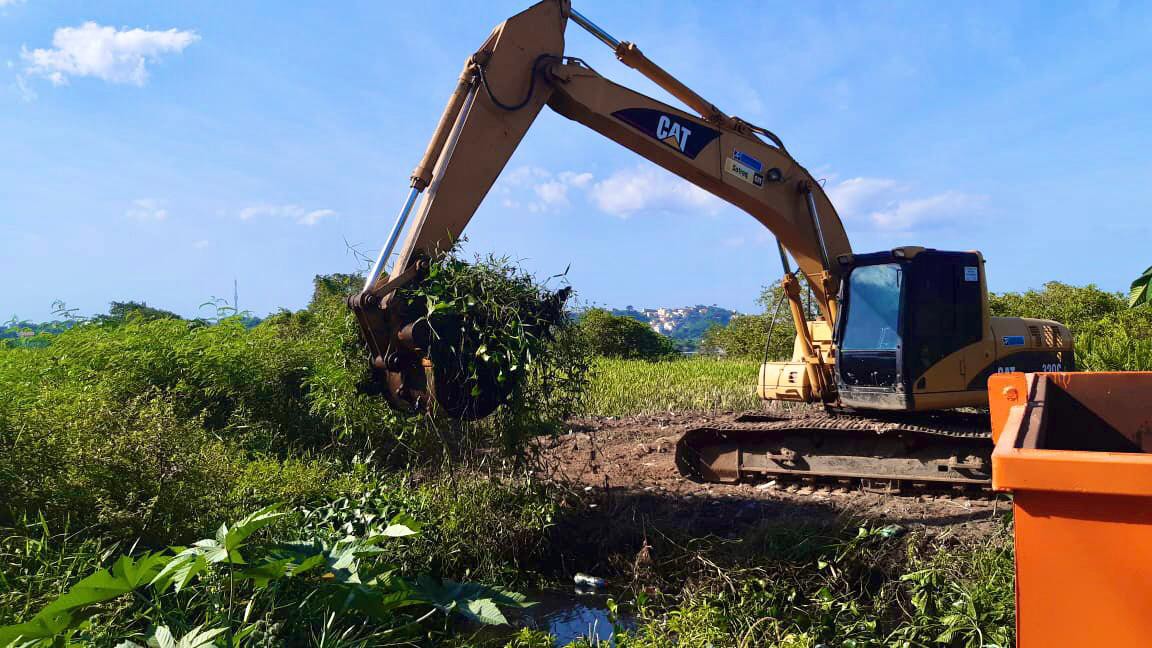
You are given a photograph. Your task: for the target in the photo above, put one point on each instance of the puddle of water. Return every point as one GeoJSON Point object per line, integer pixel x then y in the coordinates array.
{"type": "Point", "coordinates": [569, 617]}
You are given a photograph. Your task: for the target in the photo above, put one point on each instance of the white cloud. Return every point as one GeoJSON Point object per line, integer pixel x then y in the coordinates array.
{"type": "Point", "coordinates": [549, 191]}
{"type": "Point", "coordinates": [552, 194]}
{"type": "Point", "coordinates": [884, 204]}
{"type": "Point", "coordinates": [201, 244]}
{"type": "Point", "coordinates": [523, 175]}
{"type": "Point", "coordinates": [647, 189]}
{"type": "Point", "coordinates": [147, 210]}
{"type": "Point", "coordinates": [315, 216]}
{"type": "Point", "coordinates": [856, 195]}
{"type": "Point", "coordinates": [863, 202]}
{"type": "Point", "coordinates": [113, 55]}
{"type": "Point", "coordinates": [920, 212]}
{"type": "Point", "coordinates": [9, 3]}
{"type": "Point", "coordinates": [296, 213]}
{"type": "Point", "coordinates": [578, 180]}
{"type": "Point", "coordinates": [624, 193]}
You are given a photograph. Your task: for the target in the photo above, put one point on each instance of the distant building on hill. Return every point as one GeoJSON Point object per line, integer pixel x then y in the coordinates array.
{"type": "Point", "coordinates": [685, 325]}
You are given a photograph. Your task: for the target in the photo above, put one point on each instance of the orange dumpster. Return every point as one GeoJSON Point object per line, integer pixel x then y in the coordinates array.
{"type": "Point", "coordinates": [1075, 450]}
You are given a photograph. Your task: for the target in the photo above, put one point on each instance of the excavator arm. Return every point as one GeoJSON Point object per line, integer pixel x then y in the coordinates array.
{"type": "Point", "coordinates": [518, 70]}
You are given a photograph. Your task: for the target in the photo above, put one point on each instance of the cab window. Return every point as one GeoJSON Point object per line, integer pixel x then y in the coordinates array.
{"type": "Point", "coordinates": [873, 317]}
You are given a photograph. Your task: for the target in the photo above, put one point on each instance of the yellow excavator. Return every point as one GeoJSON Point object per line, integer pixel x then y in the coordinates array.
{"type": "Point", "coordinates": [902, 341]}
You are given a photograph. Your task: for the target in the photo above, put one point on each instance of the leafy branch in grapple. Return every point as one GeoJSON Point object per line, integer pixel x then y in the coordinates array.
{"type": "Point", "coordinates": [499, 337]}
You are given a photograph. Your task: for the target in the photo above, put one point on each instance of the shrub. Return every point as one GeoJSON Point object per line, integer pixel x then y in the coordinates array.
{"type": "Point", "coordinates": [1077, 307]}
{"type": "Point", "coordinates": [1141, 289]}
{"type": "Point", "coordinates": [745, 337]}
{"type": "Point", "coordinates": [144, 424]}
{"type": "Point", "coordinates": [617, 336]}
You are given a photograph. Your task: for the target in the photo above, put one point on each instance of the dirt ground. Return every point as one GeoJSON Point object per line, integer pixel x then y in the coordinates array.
{"type": "Point", "coordinates": [627, 464]}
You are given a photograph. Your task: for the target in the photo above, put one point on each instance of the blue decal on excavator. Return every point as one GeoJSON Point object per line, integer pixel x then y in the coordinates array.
{"type": "Point", "coordinates": [748, 161]}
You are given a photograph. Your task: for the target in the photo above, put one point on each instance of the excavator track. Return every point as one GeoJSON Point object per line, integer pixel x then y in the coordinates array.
{"type": "Point", "coordinates": [881, 452]}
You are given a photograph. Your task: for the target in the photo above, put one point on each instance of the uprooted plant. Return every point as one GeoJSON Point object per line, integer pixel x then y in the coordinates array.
{"type": "Point", "coordinates": [499, 337]}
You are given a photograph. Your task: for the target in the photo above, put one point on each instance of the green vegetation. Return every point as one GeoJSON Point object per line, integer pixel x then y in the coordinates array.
{"type": "Point", "coordinates": [622, 387]}
{"type": "Point", "coordinates": [505, 339]}
{"type": "Point", "coordinates": [124, 441]}
{"type": "Point", "coordinates": [797, 587]}
{"type": "Point", "coordinates": [617, 336]}
{"type": "Point", "coordinates": [745, 336]}
{"type": "Point", "coordinates": [334, 581]}
{"type": "Point", "coordinates": [136, 431]}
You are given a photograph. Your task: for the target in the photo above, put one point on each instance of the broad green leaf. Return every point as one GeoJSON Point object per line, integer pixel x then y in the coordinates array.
{"type": "Point", "coordinates": [126, 575]}
{"type": "Point", "coordinates": [473, 600]}
{"type": "Point", "coordinates": [44, 625]}
{"type": "Point", "coordinates": [215, 551]}
{"type": "Point", "coordinates": [199, 638]}
{"type": "Point", "coordinates": [483, 611]}
{"type": "Point", "coordinates": [196, 638]}
{"type": "Point", "coordinates": [139, 572]}
{"type": "Point", "coordinates": [398, 531]}
{"type": "Point", "coordinates": [1139, 293]}
{"type": "Point", "coordinates": [307, 564]}
{"type": "Point", "coordinates": [509, 598]}
{"type": "Point", "coordinates": [269, 571]}
{"type": "Point", "coordinates": [252, 523]}
{"type": "Point", "coordinates": [379, 603]}
{"type": "Point", "coordinates": [163, 638]}
{"type": "Point", "coordinates": [302, 556]}
{"type": "Point", "coordinates": [180, 571]}
{"type": "Point", "coordinates": [406, 520]}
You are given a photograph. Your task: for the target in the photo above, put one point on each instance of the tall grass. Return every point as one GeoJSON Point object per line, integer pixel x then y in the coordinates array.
{"type": "Point", "coordinates": [623, 387]}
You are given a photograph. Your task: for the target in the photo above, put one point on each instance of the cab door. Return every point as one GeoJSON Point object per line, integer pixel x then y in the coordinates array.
{"type": "Point", "coordinates": [944, 322]}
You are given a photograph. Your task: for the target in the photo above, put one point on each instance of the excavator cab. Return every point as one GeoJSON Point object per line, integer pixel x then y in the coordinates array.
{"type": "Point", "coordinates": [902, 312]}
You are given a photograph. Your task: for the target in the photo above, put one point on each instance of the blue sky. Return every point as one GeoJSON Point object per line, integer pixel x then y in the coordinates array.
{"type": "Point", "coordinates": [157, 151]}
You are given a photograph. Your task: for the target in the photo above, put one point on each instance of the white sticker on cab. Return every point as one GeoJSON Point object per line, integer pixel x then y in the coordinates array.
{"type": "Point", "coordinates": [970, 273]}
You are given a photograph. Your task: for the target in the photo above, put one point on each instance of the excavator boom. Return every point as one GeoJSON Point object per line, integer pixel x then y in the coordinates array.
{"type": "Point", "coordinates": [520, 68]}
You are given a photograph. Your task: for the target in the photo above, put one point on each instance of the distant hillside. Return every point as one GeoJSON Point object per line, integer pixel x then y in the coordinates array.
{"type": "Point", "coordinates": [684, 325]}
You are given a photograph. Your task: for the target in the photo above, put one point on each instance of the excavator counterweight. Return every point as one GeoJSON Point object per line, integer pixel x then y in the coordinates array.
{"type": "Point", "coordinates": [901, 333]}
